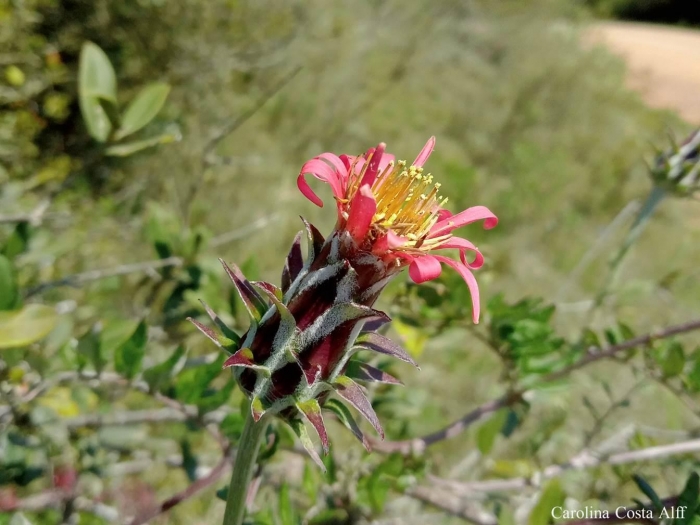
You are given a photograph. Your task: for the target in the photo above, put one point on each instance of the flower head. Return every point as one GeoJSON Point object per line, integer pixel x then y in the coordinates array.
{"type": "Point", "coordinates": [395, 211]}
{"type": "Point", "coordinates": [299, 349]}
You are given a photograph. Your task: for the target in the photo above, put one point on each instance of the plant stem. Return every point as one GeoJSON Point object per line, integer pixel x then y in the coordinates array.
{"type": "Point", "coordinates": [655, 197]}
{"type": "Point", "coordinates": [246, 457]}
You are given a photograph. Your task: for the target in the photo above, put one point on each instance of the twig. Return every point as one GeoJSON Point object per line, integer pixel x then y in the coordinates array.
{"type": "Point", "coordinates": [190, 491]}
{"type": "Point", "coordinates": [244, 117]}
{"type": "Point", "coordinates": [418, 445]}
{"type": "Point", "coordinates": [95, 275]}
{"type": "Point", "coordinates": [209, 421]}
{"type": "Point", "coordinates": [55, 498]}
{"type": "Point", "coordinates": [584, 460]}
{"type": "Point", "coordinates": [135, 417]}
{"type": "Point", "coordinates": [243, 231]}
{"type": "Point", "coordinates": [593, 355]}
{"type": "Point", "coordinates": [590, 255]}
{"type": "Point", "coordinates": [453, 505]}
{"type": "Point", "coordinates": [210, 146]}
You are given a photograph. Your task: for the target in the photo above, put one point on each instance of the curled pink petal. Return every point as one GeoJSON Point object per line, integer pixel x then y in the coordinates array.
{"type": "Point", "coordinates": [468, 277]}
{"type": "Point", "coordinates": [339, 166]}
{"type": "Point", "coordinates": [373, 169]}
{"type": "Point", "coordinates": [424, 268]}
{"type": "Point", "coordinates": [321, 171]}
{"type": "Point", "coordinates": [425, 153]}
{"type": "Point", "coordinates": [468, 216]}
{"type": "Point", "coordinates": [464, 245]}
{"type": "Point", "coordinates": [362, 210]}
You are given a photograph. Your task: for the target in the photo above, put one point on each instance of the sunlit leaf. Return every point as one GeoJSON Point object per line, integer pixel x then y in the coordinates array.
{"type": "Point", "coordinates": [96, 80]}
{"type": "Point", "coordinates": [552, 496]}
{"type": "Point", "coordinates": [489, 431]}
{"type": "Point", "coordinates": [143, 109]}
{"type": "Point", "coordinates": [413, 339]}
{"type": "Point", "coordinates": [26, 326]}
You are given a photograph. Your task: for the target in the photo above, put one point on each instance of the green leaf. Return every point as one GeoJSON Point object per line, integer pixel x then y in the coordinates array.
{"type": "Point", "coordinates": [692, 379]}
{"type": "Point", "coordinates": [128, 357]}
{"type": "Point", "coordinates": [648, 491]}
{"type": "Point", "coordinates": [689, 499]}
{"type": "Point", "coordinates": [90, 350]}
{"type": "Point", "coordinates": [287, 515]}
{"type": "Point", "coordinates": [143, 109]}
{"type": "Point", "coordinates": [673, 360]}
{"type": "Point", "coordinates": [232, 426]}
{"type": "Point", "coordinates": [552, 496]}
{"type": "Point", "coordinates": [124, 150]}
{"type": "Point", "coordinates": [159, 376]}
{"type": "Point", "coordinates": [487, 433]}
{"type": "Point", "coordinates": [189, 461]}
{"type": "Point", "coordinates": [9, 293]}
{"type": "Point", "coordinates": [26, 326]}
{"type": "Point", "coordinates": [309, 483]}
{"type": "Point", "coordinates": [192, 383]}
{"type": "Point", "coordinates": [96, 80]}
{"type": "Point", "coordinates": [213, 399]}
{"type": "Point", "coordinates": [18, 241]}
{"type": "Point", "coordinates": [222, 493]}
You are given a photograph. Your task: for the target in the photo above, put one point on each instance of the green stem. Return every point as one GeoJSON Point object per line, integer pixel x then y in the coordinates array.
{"type": "Point", "coordinates": [246, 458]}
{"type": "Point", "coordinates": [655, 197]}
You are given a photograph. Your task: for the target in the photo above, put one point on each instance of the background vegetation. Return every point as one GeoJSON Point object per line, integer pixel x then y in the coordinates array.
{"type": "Point", "coordinates": [112, 403]}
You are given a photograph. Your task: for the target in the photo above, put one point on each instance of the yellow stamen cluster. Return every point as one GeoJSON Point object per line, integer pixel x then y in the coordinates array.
{"type": "Point", "coordinates": [407, 201]}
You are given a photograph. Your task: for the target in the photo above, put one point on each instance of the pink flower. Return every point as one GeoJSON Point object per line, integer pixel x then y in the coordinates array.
{"type": "Point", "coordinates": [393, 211]}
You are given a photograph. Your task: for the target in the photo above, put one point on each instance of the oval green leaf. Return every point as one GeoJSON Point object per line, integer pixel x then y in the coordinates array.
{"type": "Point", "coordinates": [26, 326]}
{"type": "Point", "coordinates": [8, 284]}
{"type": "Point", "coordinates": [143, 109]}
{"type": "Point", "coordinates": [96, 80]}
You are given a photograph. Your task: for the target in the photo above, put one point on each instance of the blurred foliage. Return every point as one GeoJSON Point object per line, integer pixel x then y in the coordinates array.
{"type": "Point", "coordinates": [528, 121]}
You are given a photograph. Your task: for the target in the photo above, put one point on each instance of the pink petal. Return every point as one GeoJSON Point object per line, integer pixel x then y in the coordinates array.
{"type": "Point", "coordinates": [386, 159]}
{"type": "Point", "coordinates": [390, 241]}
{"type": "Point", "coordinates": [321, 171]}
{"type": "Point", "coordinates": [339, 166]}
{"type": "Point", "coordinates": [362, 210]}
{"type": "Point", "coordinates": [373, 168]}
{"type": "Point", "coordinates": [468, 277]}
{"type": "Point", "coordinates": [424, 268]}
{"type": "Point", "coordinates": [463, 245]}
{"type": "Point", "coordinates": [468, 216]}
{"type": "Point", "coordinates": [425, 152]}
{"type": "Point", "coordinates": [444, 214]}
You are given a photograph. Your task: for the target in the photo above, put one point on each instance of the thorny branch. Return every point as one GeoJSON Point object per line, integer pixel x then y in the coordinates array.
{"type": "Point", "coordinates": [593, 355]}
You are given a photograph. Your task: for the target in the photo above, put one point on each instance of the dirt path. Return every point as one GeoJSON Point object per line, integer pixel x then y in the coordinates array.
{"type": "Point", "coordinates": [664, 63]}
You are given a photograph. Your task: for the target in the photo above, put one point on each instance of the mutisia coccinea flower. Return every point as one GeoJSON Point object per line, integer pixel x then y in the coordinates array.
{"type": "Point", "coordinates": [296, 358]}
